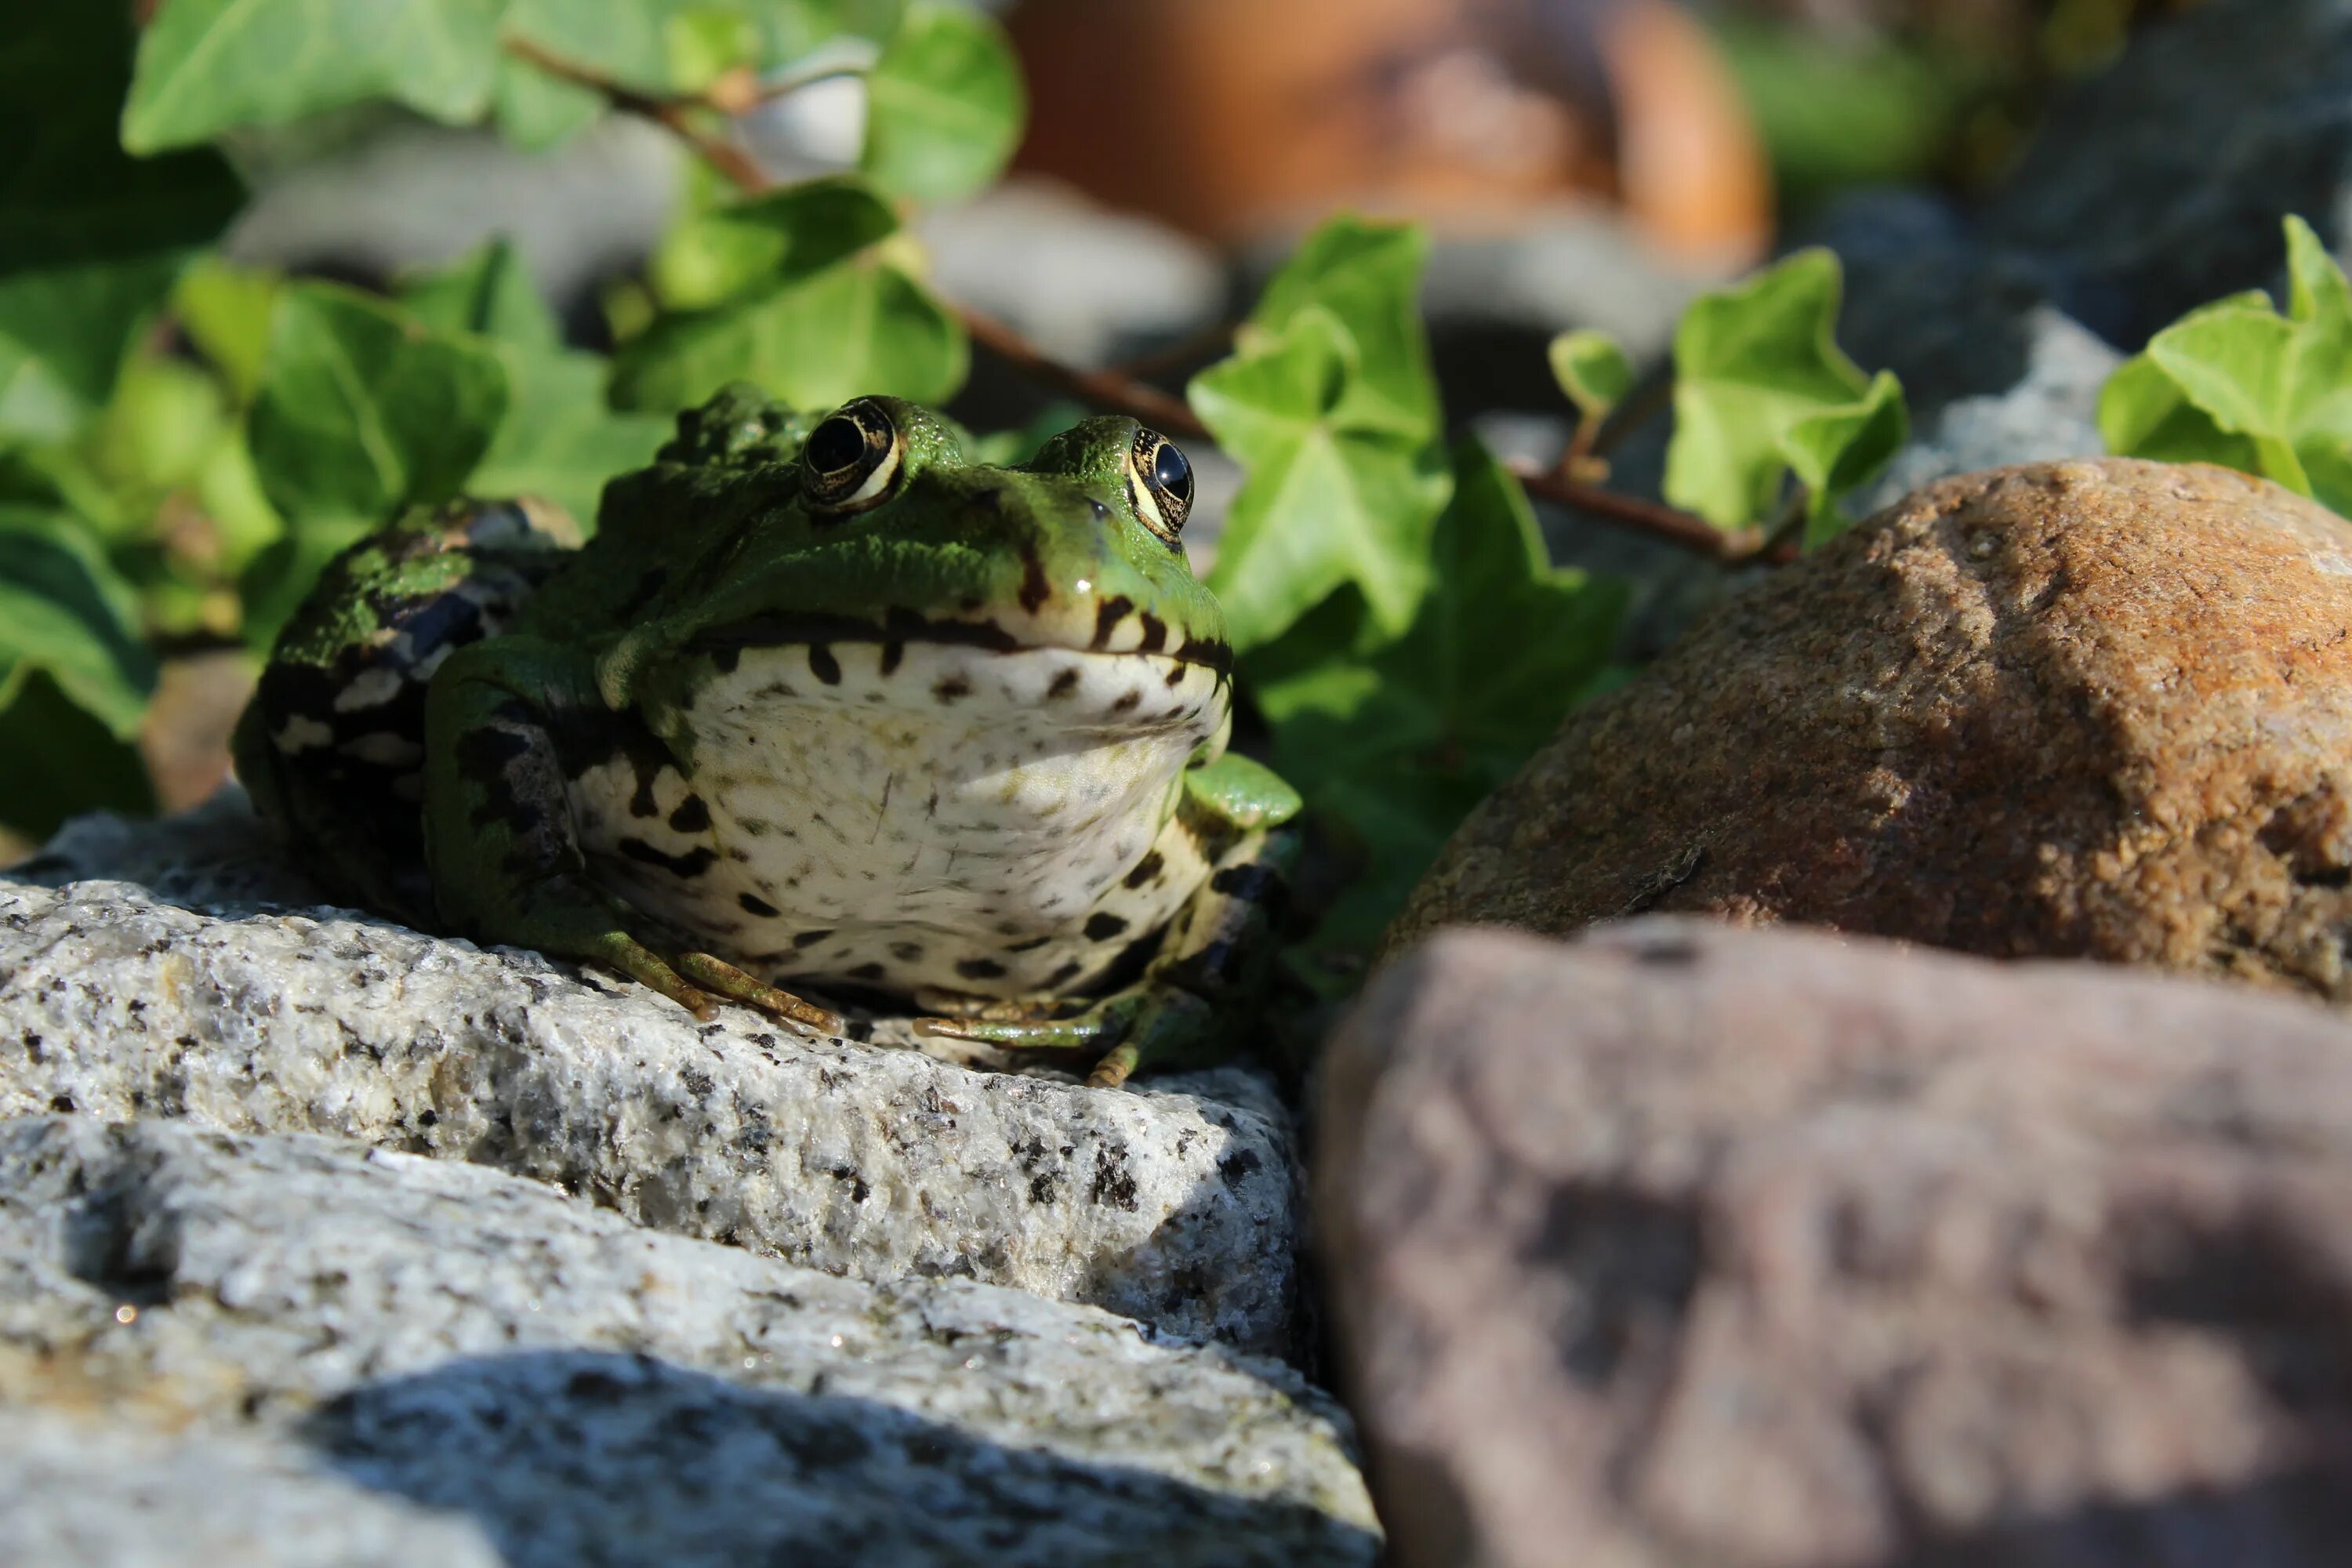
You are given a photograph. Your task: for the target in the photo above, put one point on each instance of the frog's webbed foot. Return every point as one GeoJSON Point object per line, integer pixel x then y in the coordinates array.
{"type": "Point", "coordinates": [1149, 1025]}
{"type": "Point", "coordinates": [719, 975]}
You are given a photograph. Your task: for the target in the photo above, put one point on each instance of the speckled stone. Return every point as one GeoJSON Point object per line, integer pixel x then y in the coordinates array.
{"type": "Point", "coordinates": [2095, 708]}
{"type": "Point", "coordinates": [195, 992]}
{"type": "Point", "coordinates": [585, 1390]}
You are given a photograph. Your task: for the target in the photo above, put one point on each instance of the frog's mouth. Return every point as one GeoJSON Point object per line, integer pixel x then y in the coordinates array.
{"type": "Point", "coordinates": [1118, 629]}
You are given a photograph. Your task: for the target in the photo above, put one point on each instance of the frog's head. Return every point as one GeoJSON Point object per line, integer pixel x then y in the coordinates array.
{"type": "Point", "coordinates": [892, 534]}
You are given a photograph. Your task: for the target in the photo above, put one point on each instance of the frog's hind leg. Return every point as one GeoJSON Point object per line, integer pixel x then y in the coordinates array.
{"type": "Point", "coordinates": [1192, 999]}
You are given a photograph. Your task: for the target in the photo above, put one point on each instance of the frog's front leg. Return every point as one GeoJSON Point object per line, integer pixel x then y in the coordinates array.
{"type": "Point", "coordinates": [502, 849]}
{"type": "Point", "coordinates": [1199, 991]}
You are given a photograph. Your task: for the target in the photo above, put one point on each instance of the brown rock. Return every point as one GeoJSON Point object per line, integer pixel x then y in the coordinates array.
{"type": "Point", "coordinates": [1687, 1245]}
{"type": "Point", "coordinates": [2094, 709]}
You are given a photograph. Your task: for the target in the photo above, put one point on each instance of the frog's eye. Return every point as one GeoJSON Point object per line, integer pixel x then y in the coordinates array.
{"type": "Point", "coordinates": [1160, 484]}
{"type": "Point", "coordinates": [850, 461]}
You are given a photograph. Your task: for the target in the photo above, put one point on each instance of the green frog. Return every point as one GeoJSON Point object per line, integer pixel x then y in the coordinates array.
{"type": "Point", "coordinates": [825, 706]}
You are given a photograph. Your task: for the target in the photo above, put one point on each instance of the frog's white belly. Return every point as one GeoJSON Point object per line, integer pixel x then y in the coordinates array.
{"type": "Point", "coordinates": [917, 817]}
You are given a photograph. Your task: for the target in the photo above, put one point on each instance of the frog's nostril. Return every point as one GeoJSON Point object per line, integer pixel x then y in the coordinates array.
{"type": "Point", "coordinates": [1102, 512]}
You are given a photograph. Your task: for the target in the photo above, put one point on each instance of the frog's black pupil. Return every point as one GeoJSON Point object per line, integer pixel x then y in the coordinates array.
{"type": "Point", "coordinates": [1173, 473]}
{"type": "Point", "coordinates": [834, 446]}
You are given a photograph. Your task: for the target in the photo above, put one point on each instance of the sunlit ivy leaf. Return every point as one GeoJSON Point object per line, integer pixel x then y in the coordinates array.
{"type": "Point", "coordinates": [1398, 743]}
{"type": "Point", "coordinates": [736, 248]}
{"type": "Point", "coordinates": [1335, 494]}
{"type": "Point", "coordinates": [90, 239]}
{"type": "Point", "coordinates": [558, 439]}
{"type": "Point", "coordinates": [63, 612]}
{"type": "Point", "coordinates": [1592, 370]}
{"type": "Point", "coordinates": [1838, 450]}
{"type": "Point", "coordinates": [225, 311]}
{"type": "Point", "coordinates": [535, 110]}
{"type": "Point", "coordinates": [1367, 276]}
{"type": "Point", "coordinates": [1753, 365]}
{"type": "Point", "coordinates": [2236, 382]}
{"type": "Point", "coordinates": [209, 66]}
{"type": "Point", "coordinates": [364, 410]}
{"type": "Point", "coordinates": [817, 310]}
{"type": "Point", "coordinates": [944, 104]}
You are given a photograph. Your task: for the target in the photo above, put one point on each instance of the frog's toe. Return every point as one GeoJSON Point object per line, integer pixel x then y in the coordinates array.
{"type": "Point", "coordinates": [1090, 1030]}
{"type": "Point", "coordinates": [716, 974]}
{"type": "Point", "coordinates": [644, 966]}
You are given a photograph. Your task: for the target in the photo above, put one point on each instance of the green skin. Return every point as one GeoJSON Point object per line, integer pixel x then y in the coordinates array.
{"type": "Point", "coordinates": [738, 697]}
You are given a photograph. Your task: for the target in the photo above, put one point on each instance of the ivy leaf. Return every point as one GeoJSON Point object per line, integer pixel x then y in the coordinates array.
{"type": "Point", "coordinates": [364, 410]}
{"type": "Point", "coordinates": [558, 439]}
{"type": "Point", "coordinates": [64, 614]}
{"type": "Point", "coordinates": [209, 66]}
{"type": "Point", "coordinates": [1592, 370]}
{"type": "Point", "coordinates": [1838, 450]}
{"type": "Point", "coordinates": [1398, 743]}
{"type": "Point", "coordinates": [1752, 366]}
{"type": "Point", "coordinates": [90, 239]}
{"type": "Point", "coordinates": [944, 104]}
{"type": "Point", "coordinates": [817, 308]}
{"type": "Point", "coordinates": [2237, 383]}
{"type": "Point", "coordinates": [1368, 277]}
{"type": "Point", "coordinates": [1331, 499]}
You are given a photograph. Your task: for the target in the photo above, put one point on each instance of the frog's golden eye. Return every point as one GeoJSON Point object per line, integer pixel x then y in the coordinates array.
{"type": "Point", "coordinates": [1160, 484]}
{"type": "Point", "coordinates": [850, 461]}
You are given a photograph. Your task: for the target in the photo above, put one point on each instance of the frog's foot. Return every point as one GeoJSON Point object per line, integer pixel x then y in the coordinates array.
{"type": "Point", "coordinates": [691, 979]}
{"type": "Point", "coordinates": [719, 975]}
{"type": "Point", "coordinates": [1145, 1026]}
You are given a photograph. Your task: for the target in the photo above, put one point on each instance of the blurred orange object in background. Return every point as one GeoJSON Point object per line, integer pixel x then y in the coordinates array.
{"type": "Point", "coordinates": [1236, 119]}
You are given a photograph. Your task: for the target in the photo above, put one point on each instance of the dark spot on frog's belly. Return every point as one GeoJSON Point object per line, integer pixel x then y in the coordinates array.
{"type": "Point", "coordinates": [752, 904]}
{"type": "Point", "coordinates": [691, 817]}
{"type": "Point", "coordinates": [687, 866]}
{"type": "Point", "coordinates": [1064, 684]}
{"type": "Point", "coordinates": [1103, 927]}
{"type": "Point", "coordinates": [1145, 869]}
{"type": "Point", "coordinates": [823, 664]}
{"type": "Point", "coordinates": [979, 968]}
{"type": "Point", "coordinates": [1108, 614]}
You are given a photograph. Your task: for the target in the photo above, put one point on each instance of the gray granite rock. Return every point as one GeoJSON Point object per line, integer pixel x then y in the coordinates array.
{"type": "Point", "coordinates": [94, 1492]}
{"type": "Point", "coordinates": [2052, 412]}
{"type": "Point", "coordinates": [200, 996]}
{"type": "Point", "coordinates": [586, 1391]}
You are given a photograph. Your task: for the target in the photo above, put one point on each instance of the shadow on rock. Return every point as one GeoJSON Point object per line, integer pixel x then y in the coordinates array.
{"type": "Point", "coordinates": [566, 1457]}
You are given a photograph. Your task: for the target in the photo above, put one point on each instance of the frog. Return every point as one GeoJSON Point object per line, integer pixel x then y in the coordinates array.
{"type": "Point", "coordinates": [827, 713]}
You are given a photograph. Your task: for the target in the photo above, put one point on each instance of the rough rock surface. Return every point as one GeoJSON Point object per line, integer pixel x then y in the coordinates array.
{"type": "Point", "coordinates": [1682, 1244]}
{"type": "Point", "coordinates": [2086, 709]}
{"type": "Point", "coordinates": [96, 1492]}
{"type": "Point", "coordinates": [1176, 1205]}
{"type": "Point", "coordinates": [586, 1391]}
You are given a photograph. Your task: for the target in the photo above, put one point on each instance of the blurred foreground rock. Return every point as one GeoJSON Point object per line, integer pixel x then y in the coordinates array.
{"type": "Point", "coordinates": [1767, 1249]}
{"type": "Point", "coordinates": [2098, 709]}
{"type": "Point", "coordinates": [308, 1352]}
{"type": "Point", "coordinates": [198, 985]}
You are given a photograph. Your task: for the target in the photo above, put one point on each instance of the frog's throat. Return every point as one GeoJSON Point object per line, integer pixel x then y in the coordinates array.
{"type": "Point", "coordinates": [1117, 627]}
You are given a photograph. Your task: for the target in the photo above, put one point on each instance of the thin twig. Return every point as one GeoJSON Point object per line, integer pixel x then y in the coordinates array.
{"type": "Point", "coordinates": [1117, 392]}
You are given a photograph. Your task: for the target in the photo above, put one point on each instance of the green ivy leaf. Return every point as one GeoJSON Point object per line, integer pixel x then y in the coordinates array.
{"type": "Point", "coordinates": [1398, 743]}
{"type": "Point", "coordinates": [559, 439]}
{"type": "Point", "coordinates": [1368, 277]}
{"type": "Point", "coordinates": [90, 239]}
{"type": "Point", "coordinates": [209, 66]}
{"type": "Point", "coordinates": [944, 104]}
{"type": "Point", "coordinates": [1838, 449]}
{"type": "Point", "coordinates": [364, 409]}
{"type": "Point", "coordinates": [225, 311]}
{"type": "Point", "coordinates": [64, 614]}
{"type": "Point", "coordinates": [816, 309]}
{"type": "Point", "coordinates": [1753, 365]}
{"type": "Point", "coordinates": [2236, 383]}
{"type": "Point", "coordinates": [1592, 370]}
{"type": "Point", "coordinates": [1329, 499]}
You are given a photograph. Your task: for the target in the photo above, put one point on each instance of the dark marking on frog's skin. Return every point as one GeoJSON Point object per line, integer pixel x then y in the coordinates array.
{"type": "Point", "coordinates": [752, 904]}
{"type": "Point", "coordinates": [898, 626]}
{"type": "Point", "coordinates": [1108, 614]}
{"type": "Point", "coordinates": [1063, 975]}
{"type": "Point", "coordinates": [726, 658]}
{"type": "Point", "coordinates": [823, 664]}
{"type": "Point", "coordinates": [1127, 701]}
{"type": "Point", "coordinates": [1175, 678]}
{"type": "Point", "coordinates": [867, 972]}
{"type": "Point", "coordinates": [947, 690]}
{"type": "Point", "coordinates": [1063, 685]}
{"type": "Point", "coordinates": [687, 866]}
{"type": "Point", "coordinates": [808, 939]}
{"type": "Point", "coordinates": [1103, 927]}
{"type": "Point", "coordinates": [1032, 945]}
{"type": "Point", "coordinates": [892, 652]}
{"type": "Point", "coordinates": [907, 951]}
{"type": "Point", "coordinates": [691, 817]}
{"type": "Point", "coordinates": [1034, 589]}
{"type": "Point", "coordinates": [1155, 633]}
{"type": "Point", "coordinates": [1145, 869]}
{"type": "Point", "coordinates": [1252, 884]}
{"type": "Point", "coordinates": [980, 969]}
